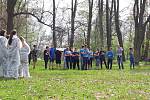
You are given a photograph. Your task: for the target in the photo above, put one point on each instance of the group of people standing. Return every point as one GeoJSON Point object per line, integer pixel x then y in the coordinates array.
{"type": "Point", "coordinates": [14, 53]}
{"type": "Point", "coordinates": [86, 57]}
{"type": "Point", "coordinates": [83, 59]}
{"type": "Point", "coordinates": [50, 53]}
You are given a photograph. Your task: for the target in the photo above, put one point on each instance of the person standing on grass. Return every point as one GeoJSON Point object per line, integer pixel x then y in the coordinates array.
{"type": "Point", "coordinates": [30, 57]}
{"type": "Point", "coordinates": [68, 58]}
{"type": "Point", "coordinates": [34, 55]}
{"type": "Point", "coordinates": [97, 58]}
{"type": "Point", "coordinates": [110, 56]}
{"type": "Point", "coordinates": [90, 59]}
{"type": "Point", "coordinates": [65, 65]}
{"type": "Point", "coordinates": [102, 59]}
{"type": "Point", "coordinates": [75, 56]}
{"type": "Point", "coordinates": [3, 52]}
{"type": "Point", "coordinates": [81, 56]}
{"type": "Point", "coordinates": [13, 59]}
{"type": "Point", "coordinates": [58, 58]}
{"type": "Point", "coordinates": [24, 52]}
{"type": "Point", "coordinates": [131, 58]}
{"type": "Point", "coordinates": [52, 56]}
{"type": "Point", "coordinates": [46, 56]}
{"type": "Point", "coordinates": [119, 57]}
{"type": "Point", "coordinates": [71, 58]}
{"type": "Point", "coordinates": [85, 58]}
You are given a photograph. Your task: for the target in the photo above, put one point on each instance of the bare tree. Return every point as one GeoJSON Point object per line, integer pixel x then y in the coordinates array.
{"type": "Point", "coordinates": [147, 44]}
{"type": "Point", "coordinates": [89, 22]}
{"type": "Point", "coordinates": [140, 27]}
{"type": "Point", "coordinates": [73, 15]}
{"type": "Point", "coordinates": [117, 25]}
{"type": "Point", "coordinates": [54, 32]}
{"type": "Point", "coordinates": [100, 13]}
{"type": "Point", "coordinates": [10, 14]}
{"type": "Point", "coordinates": [109, 16]}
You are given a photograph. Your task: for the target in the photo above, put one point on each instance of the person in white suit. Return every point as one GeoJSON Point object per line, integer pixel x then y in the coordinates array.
{"type": "Point", "coordinates": [3, 52]}
{"type": "Point", "coordinates": [13, 60]}
{"type": "Point", "coordinates": [24, 52]}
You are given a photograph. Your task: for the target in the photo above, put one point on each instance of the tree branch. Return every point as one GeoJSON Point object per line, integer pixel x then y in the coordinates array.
{"type": "Point", "coordinates": [148, 20]}
{"type": "Point", "coordinates": [33, 15]}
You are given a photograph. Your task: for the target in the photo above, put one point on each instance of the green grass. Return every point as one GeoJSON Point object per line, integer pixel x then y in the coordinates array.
{"type": "Point", "coordinates": [79, 85]}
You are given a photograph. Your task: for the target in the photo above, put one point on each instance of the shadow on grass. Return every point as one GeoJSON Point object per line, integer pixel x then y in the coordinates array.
{"type": "Point", "coordinates": [9, 79]}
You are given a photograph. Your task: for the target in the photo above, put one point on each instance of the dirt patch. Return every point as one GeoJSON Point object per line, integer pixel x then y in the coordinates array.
{"type": "Point", "coordinates": [101, 95]}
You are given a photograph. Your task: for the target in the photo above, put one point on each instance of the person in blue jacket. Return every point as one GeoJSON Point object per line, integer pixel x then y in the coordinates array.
{"type": "Point", "coordinates": [52, 51]}
{"type": "Point", "coordinates": [85, 58]}
{"type": "Point", "coordinates": [131, 57]}
{"type": "Point", "coordinates": [90, 59]}
{"type": "Point", "coordinates": [110, 56]}
{"type": "Point", "coordinates": [81, 57]}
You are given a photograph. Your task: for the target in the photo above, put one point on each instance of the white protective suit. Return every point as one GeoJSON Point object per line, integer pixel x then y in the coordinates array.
{"type": "Point", "coordinates": [13, 60]}
{"type": "Point", "coordinates": [24, 68]}
{"type": "Point", "coordinates": [3, 55]}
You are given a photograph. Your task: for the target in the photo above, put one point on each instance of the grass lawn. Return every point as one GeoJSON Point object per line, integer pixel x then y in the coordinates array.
{"type": "Point", "coordinates": [79, 85]}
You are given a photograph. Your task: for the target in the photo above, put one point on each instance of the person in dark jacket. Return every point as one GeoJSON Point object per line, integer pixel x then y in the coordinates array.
{"type": "Point", "coordinates": [58, 57]}
{"type": "Point", "coordinates": [75, 56]}
{"type": "Point", "coordinates": [102, 59]}
{"type": "Point", "coordinates": [34, 55]}
{"type": "Point", "coordinates": [46, 56]}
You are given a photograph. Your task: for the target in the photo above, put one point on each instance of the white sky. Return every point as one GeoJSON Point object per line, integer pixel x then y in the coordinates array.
{"type": "Point", "coordinates": [123, 3]}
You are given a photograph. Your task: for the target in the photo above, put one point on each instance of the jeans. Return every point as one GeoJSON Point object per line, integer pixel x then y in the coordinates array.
{"type": "Point", "coordinates": [131, 63]}
{"type": "Point", "coordinates": [85, 63]}
{"type": "Point", "coordinates": [81, 59]}
{"type": "Point", "coordinates": [69, 62]}
{"type": "Point", "coordinates": [103, 60]}
{"type": "Point", "coordinates": [110, 63]}
{"type": "Point", "coordinates": [65, 65]}
{"type": "Point", "coordinates": [97, 62]}
{"type": "Point", "coordinates": [120, 62]}
{"type": "Point", "coordinates": [90, 62]}
{"type": "Point", "coordinates": [46, 62]}
{"type": "Point", "coordinates": [76, 62]}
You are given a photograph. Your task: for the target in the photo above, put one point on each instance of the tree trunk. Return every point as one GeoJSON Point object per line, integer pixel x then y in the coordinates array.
{"type": "Point", "coordinates": [73, 14]}
{"type": "Point", "coordinates": [140, 27]}
{"type": "Point", "coordinates": [108, 24]}
{"type": "Point", "coordinates": [10, 14]}
{"type": "Point", "coordinates": [147, 45]}
{"type": "Point", "coordinates": [117, 25]}
{"type": "Point", "coordinates": [68, 35]}
{"type": "Point", "coordinates": [54, 31]}
{"type": "Point", "coordinates": [89, 22]}
{"type": "Point", "coordinates": [101, 31]}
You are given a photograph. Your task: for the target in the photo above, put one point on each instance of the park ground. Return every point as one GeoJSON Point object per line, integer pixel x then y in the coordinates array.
{"type": "Point", "coordinates": [79, 85]}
